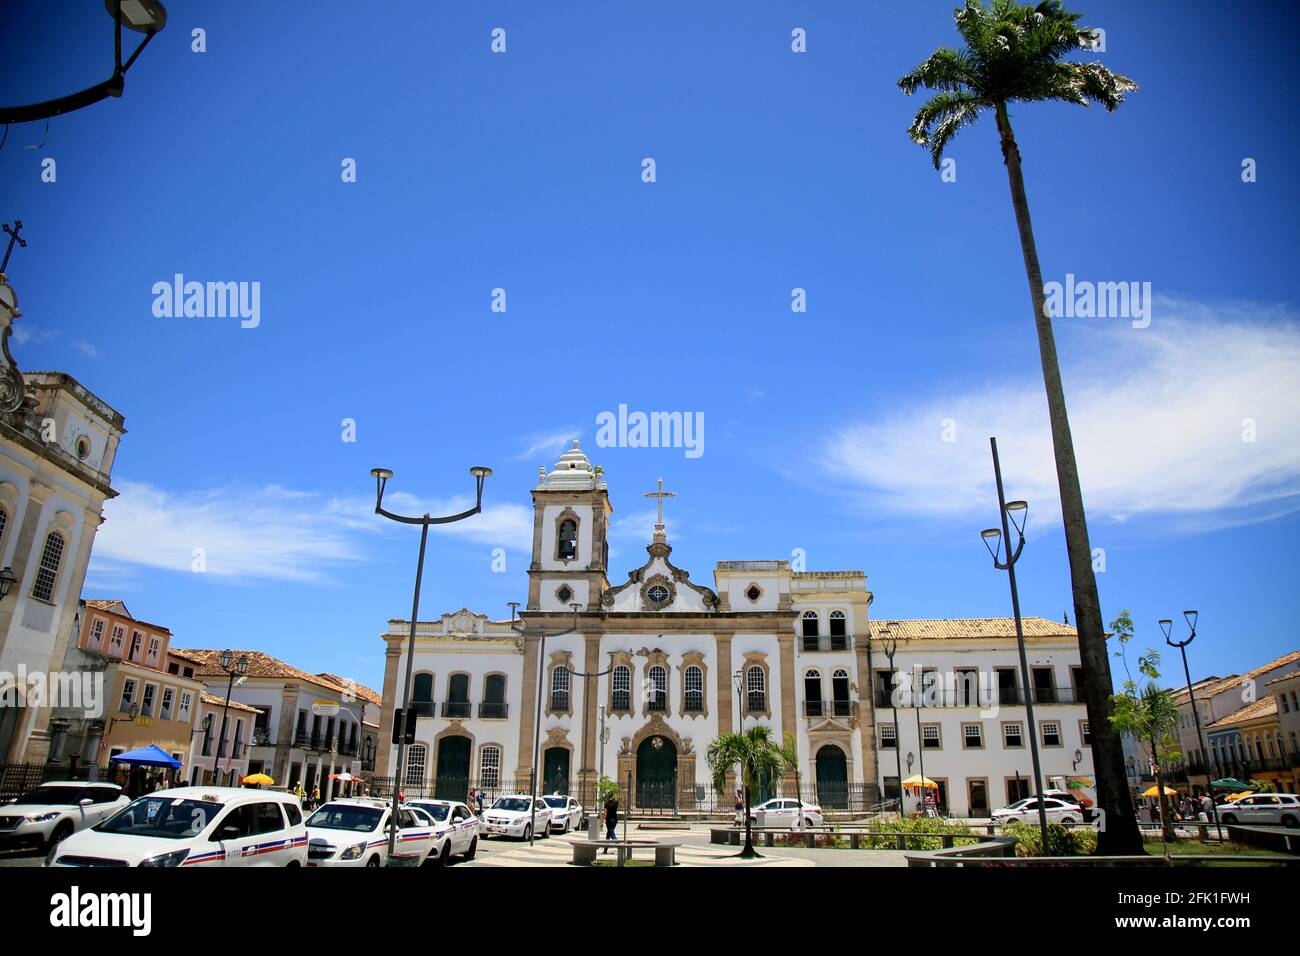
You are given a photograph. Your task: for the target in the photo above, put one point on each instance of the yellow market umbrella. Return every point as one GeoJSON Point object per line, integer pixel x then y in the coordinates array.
{"type": "Point", "coordinates": [260, 779]}
{"type": "Point", "coordinates": [919, 781]}
{"type": "Point", "coordinates": [1154, 792]}
{"type": "Point", "coordinates": [1233, 798]}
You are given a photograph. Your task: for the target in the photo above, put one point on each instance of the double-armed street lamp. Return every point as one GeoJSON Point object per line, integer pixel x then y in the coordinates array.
{"type": "Point", "coordinates": [891, 648]}
{"type": "Point", "coordinates": [1167, 628]}
{"type": "Point", "coordinates": [231, 667]}
{"type": "Point", "coordinates": [522, 630]}
{"type": "Point", "coordinates": [141, 16]}
{"type": "Point", "coordinates": [1016, 513]}
{"type": "Point", "coordinates": [381, 476]}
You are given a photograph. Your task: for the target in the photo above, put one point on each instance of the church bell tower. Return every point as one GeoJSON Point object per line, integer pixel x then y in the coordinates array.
{"type": "Point", "coordinates": [571, 512]}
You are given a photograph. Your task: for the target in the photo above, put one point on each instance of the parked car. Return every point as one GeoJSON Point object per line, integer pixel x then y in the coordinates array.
{"type": "Point", "coordinates": [353, 832]}
{"type": "Point", "coordinates": [193, 826]}
{"type": "Point", "coordinates": [784, 812]}
{"type": "Point", "coordinates": [456, 829]}
{"type": "Point", "coordinates": [1065, 796]}
{"type": "Point", "coordinates": [566, 812]}
{"type": "Point", "coordinates": [514, 815]}
{"type": "Point", "coordinates": [50, 813]}
{"type": "Point", "coordinates": [1058, 811]}
{"type": "Point", "coordinates": [1263, 809]}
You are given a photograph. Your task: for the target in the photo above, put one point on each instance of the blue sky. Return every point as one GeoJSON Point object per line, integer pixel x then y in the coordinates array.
{"type": "Point", "coordinates": [775, 171]}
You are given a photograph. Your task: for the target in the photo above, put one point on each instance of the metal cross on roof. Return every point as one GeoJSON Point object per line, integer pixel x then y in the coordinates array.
{"type": "Point", "coordinates": [661, 495]}
{"type": "Point", "coordinates": [13, 237]}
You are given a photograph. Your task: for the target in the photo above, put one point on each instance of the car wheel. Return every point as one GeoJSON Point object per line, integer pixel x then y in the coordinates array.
{"type": "Point", "coordinates": [473, 848]}
{"type": "Point", "coordinates": [61, 833]}
{"type": "Point", "coordinates": [568, 825]}
{"type": "Point", "coordinates": [1229, 818]}
{"type": "Point", "coordinates": [373, 861]}
{"type": "Point", "coordinates": [1290, 821]}
{"type": "Point", "coordinates": [528, 832]}
{"type": "Point", "coordinates": [445, 856]}
{"type": "Point", "coordinates": [1069, 821]}
{"type": "Point", "coordinates": [293, 863]}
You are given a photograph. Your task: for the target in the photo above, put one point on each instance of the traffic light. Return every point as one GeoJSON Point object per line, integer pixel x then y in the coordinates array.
{"type": "Point", "coordinates": [404, 725]}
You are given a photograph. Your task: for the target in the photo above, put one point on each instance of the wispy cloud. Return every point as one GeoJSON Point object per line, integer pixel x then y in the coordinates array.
{"type": "Point", "coordinates": [548, 443]}
{"type": "Point", "coordinates": [85, 348]}
{"type": "Point", "coordinates": [1196, 417]}
{"type": "Point", "coordinates": [269, 532]}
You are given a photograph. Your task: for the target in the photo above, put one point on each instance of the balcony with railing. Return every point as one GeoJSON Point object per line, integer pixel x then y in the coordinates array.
{"type": "Point", "coordinates": [301, 738]}
{"type": "Point", "coordinates": [494, 710]}
{"type": "Point", "coordinates": [830, 708]}
{"type": "Point", "coordinates": [825, 643]}
{"type": "Point", "coordinates": [658, 702]}
{"type": "Point", "coordinates": [559, 702]}
{"type": "Point", "coordinates": [456, 708]}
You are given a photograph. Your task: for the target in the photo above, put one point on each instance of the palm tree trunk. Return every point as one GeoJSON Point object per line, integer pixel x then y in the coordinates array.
{"type": "Point", "coordinates": [1160, 796]}
{"type": "Point", "coordinates": [1119, 833]}
{"type": "Point", "coordinates": [749, 837]}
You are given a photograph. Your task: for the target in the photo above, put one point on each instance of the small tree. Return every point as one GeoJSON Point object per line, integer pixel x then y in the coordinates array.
{"type": "Point", "coordinates": [1149, 713]}
{"type": "Point", "coordinates": [757, 754]}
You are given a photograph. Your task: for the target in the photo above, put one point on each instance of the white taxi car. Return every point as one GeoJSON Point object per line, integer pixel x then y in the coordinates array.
{"type": "Point", "coordinates": [54, 811]}
{"type": "Point", "coordinates": [193, 826]}
{"type": "Point", "coordinates": [456, 829]}
{"type": "Point", "coordinates": [781, 812]}
{"type": "Point", "coordinates": [566, 812]}
{"type": "Point", "coordinates": [515, 815]}
{"type": "Point", "coordinates": [1263, 809]}
{"type": "Point", "coordinates": [353, 831]}
{"type": "Point", "coordinates": [1026, 810]}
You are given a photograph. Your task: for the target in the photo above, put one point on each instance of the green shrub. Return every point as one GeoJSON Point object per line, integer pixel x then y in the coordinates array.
{"type": "Point", "coordinates": [922, 826]}
{"type": "Point", "coordinates": [1061, 840]}
{"type": "Point", "coordinates": [821, 839]}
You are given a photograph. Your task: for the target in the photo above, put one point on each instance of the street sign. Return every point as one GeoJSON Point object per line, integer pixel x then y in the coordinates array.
{"type": "Point", "coordinates": [325, 708]}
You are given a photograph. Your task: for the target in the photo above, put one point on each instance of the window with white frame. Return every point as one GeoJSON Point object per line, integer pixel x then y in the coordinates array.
{"type": "Point", "coordinates": [47, 573]}
{"type": "Point", "coordinates": [1013, 735]}
{"type": "Point", "coordinates": [115, 643]}
{"type": "Point", "coordinates": [415, 765]}
{"type": "Point", "coordinates": [657, 681]}
{"type": "Point", "coordinates": [147, 700]}
{"type": "Point", "coordinates": [1085, 733]}
{"type": "Point", "coordinates": [839, 630]}
{"type": "Point", "coordinates": [930, 738]}
{"type": "Point", "coordinates": [888, 737]}
{"type": "Point", "coordinates": [693, 687]}
{"type": "Point", "coordinates": [128, 695]}
{"type": "Point", "coordinates": [622, 689]}
{"type": "Point", "coordinates": [972, 736]}
{"type": "Point", "coordinates": [489, 772]}
{"type": "Point", "coordinates": [187, 704]}
{"type": "Point", "coordinates": [1051, 733]}
{"type": "Point", "coordinates": [97, 633]}
{"type": "Point", "coordinates": [560, 688]}
{"type": "Point", "coordinates": [756, 689]}
{"type": "Point", "coordinates": [811, 624]}
{"type": "Point", "coordinates": [137, 642]}
{"type": "Point", "coordinates": [154, 646]}
{"type": "Point", "coordinates": [168, 699]}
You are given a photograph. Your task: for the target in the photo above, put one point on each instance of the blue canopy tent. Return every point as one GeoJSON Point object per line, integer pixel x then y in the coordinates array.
{"type": "Point", "coordinates": [151, 756]}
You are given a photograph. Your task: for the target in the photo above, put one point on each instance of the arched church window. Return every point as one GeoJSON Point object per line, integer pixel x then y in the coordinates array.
{"type": "Point", "coordinates": [811, 624]}
{"type": "Point", "coordinates": [841, 702]}
{"type": "Point", "coordinates": [693, 686]}
{"type": "Point", "coordinates": [560, 689]}
{"type": "Point", "coordinates": [622, 689]}
{"type": "Point", "coordinates": [48, 571]}
{"type": "Point", "coordinates": [658, 688]}
{"type": "Point", "coordinates": [756, 689]}
{"type": "Point", "coordinates": [567, 541]}
{"type": "Point", "coordinates": [812, 693]}
{"type": "Point", "coordinates": [839, 624]}
{"type": "Point", "coordinates": [415, 765]}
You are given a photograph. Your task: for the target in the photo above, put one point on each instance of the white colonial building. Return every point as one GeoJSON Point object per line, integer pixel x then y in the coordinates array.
{"type": "Point", "coordinates": [675, 663]}
{"type": "Point", "coordinates": [58, 442]}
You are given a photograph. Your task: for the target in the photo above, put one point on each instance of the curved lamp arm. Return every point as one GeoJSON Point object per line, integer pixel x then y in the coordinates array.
{"type": "Point", "coordinates": [381, 476]}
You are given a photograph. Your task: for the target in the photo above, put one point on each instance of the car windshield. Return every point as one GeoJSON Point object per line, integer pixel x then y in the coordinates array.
{"type": "Point", "coordinates": [517, 804]}
{"type": "Point", "coordinates": [560, 802]}
{"type": "Point", "coordinates": [436, 810]}
{"type": "Point", "coordinates": [52, 796]}
{"type": "Point", "coordinates": [335, 816]}
{"type": "Point", "coordinates": [168, 818]}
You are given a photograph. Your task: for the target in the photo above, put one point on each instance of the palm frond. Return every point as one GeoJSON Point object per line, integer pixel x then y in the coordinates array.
{"type": "Point", "coordinates": [940, 118]}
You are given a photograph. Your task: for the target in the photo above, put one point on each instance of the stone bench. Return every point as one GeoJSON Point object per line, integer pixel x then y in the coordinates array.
{"type": "Point", "coordinates": [585, 851]}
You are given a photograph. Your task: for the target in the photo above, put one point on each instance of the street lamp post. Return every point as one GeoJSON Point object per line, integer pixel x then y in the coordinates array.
{"type": "Point", "coordinates": [142, 16]}
{"type": "Point", "coordinates": [891, 648]}
{"type": "Point", "coordinates": [381, 476]}
{"type": "Point", "coordinates": [1167, 626]}
{"type": "Point", "coordinates": [1016, 512]}
{"type": "Point", "coordinates": [522, 629]}
{"type": "Point", "coordinates": [231, 667]}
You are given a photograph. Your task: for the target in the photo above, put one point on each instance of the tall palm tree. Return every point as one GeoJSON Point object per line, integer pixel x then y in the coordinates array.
{"type": "Point", "coordinates": [1015, 54]}
{"type": "Point", "coordinates": [759, 757]}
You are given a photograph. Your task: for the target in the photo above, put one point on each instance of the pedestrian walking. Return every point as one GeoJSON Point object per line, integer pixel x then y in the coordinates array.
{"type": "Point", "coordinates": [611, 819]}
{"type": "Point", "coordinates": [479, 805]}
{"type": "Point", "coordinates": [315, 796]}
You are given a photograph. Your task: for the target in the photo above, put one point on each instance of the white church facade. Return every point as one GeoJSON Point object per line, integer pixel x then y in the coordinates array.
{"type": "Point", "coordinates": [674, 663]}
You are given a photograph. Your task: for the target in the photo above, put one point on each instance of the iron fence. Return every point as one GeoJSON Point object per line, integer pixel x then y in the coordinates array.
{"type": "Point", "coordinates": [17, 778]}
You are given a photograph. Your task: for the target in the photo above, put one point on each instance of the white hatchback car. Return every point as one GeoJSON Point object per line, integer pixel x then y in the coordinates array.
{"type": "Point", "coordinates": [566, 812]}
{"type": "Point", "coordinates": [1026, 810]}
{"type": "Point", "coordinates": [353, 831]}
{"type": "Point", "coordinates": [1263, 809]}
{"type": "Point", "coordinates": [50, 813]}
{"type": "Point", "coordinates": [784, 812]}
{"type": "Point", "coordinates": [193, 826]}
{"type": "Point", "coordinates": [456, 829]}
{"type": "Point", "coordinates": [515, 815]}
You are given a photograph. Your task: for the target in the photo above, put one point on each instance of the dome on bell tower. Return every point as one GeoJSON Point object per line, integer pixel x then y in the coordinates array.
{"type": "Point", "coordinates": [573, 472]}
